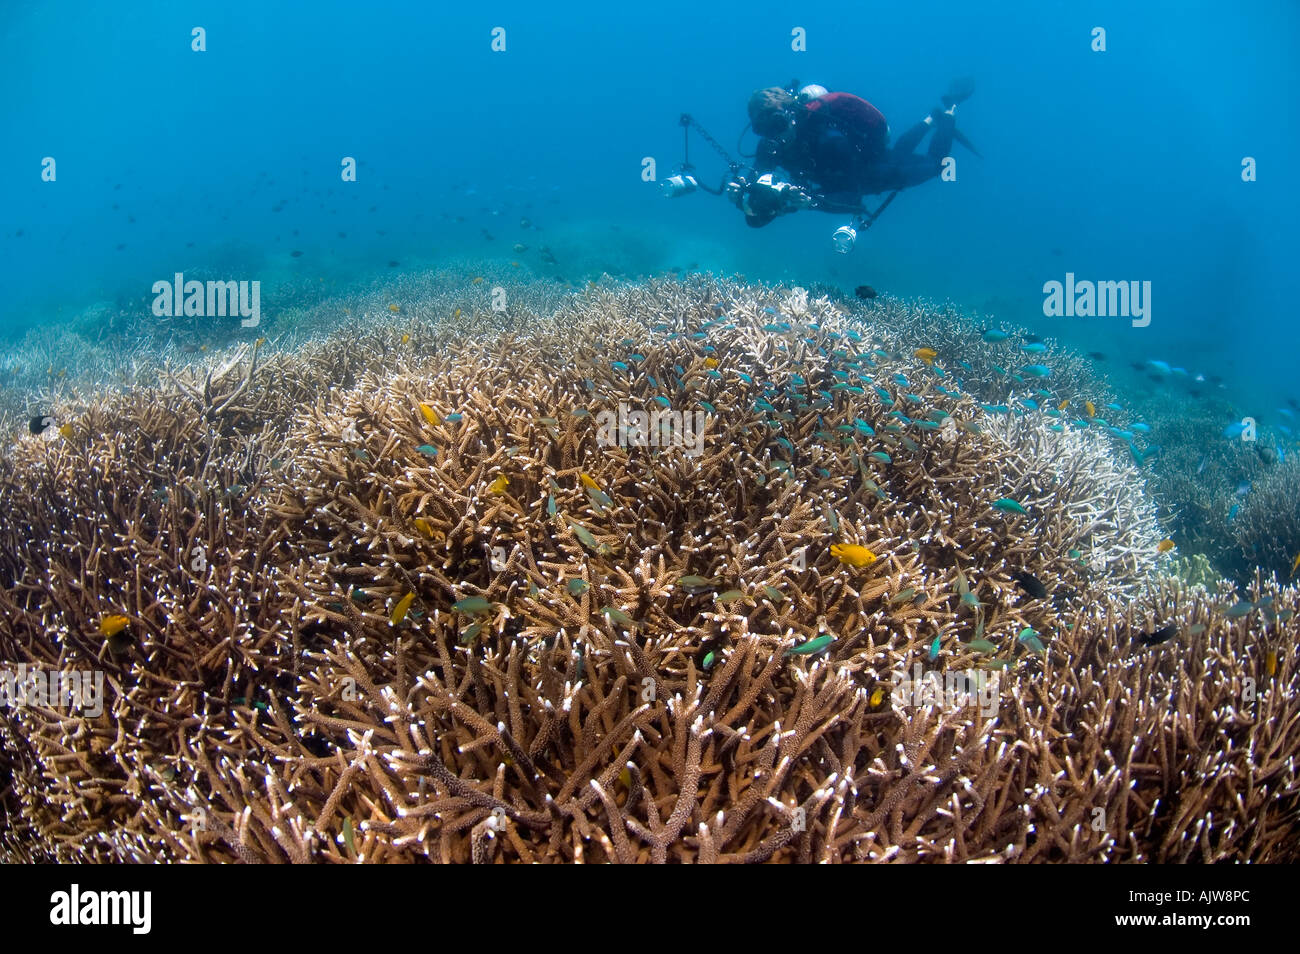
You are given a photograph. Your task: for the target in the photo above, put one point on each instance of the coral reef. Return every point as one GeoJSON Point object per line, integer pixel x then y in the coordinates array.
{"type": "Point", "coordinates": [446, 584]}
{"type": "Point", "coordinates": [1267, 529]}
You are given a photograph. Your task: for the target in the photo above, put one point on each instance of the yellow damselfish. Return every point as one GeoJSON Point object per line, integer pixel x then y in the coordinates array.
{"type": "Point", "coordinates": [1164, 546]}
{"type": "Point", "coordinates": [394, 308]}
{"type": "Point", "coordinates": [429, 415]}
{"type": "Point", "coordinates": [877, 697]}
{"type": "Point", "coordinates": [1295, 565]}
{"type": "Point", "coordinates": [926, 354]}
{"type": "Point", "coordinates": [1090, 408]}
{"type": "Point", "coordinates": [499, 485]}
{"type": "Point", "coordinates": [710, 362]}
{"type": "Point", "coordinates": [588, 482]}
{"type": "Point", "coordinates": [112, 625]}
{"type": "Point", "coordinates": [399, 611]}
{"type": "Point", "coordinates": [1270, 664]}
{"type": "Point", "coordinates": [424, 526]}
{"type": "Point", "coordinates": [852, 554]}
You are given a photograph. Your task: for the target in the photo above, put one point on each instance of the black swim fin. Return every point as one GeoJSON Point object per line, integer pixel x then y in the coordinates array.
{"type": "Point", "coordinates": [958, 135]}
{"type": "Point", "coordinates": [959, 90]}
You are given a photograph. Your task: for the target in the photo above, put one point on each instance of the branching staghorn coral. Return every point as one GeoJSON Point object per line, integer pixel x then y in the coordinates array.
{"type": "Point", "coordinates": [442, 615]}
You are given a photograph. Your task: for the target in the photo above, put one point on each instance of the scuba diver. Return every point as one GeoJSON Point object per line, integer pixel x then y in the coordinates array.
{"type": "Point", "coordinates": [826, 151]}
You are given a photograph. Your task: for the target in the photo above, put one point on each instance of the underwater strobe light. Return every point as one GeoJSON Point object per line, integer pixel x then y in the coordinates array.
{"type": "Point", "coordinates": [679, 184]}
{"type": "Point", "coordinates": [843, 238]}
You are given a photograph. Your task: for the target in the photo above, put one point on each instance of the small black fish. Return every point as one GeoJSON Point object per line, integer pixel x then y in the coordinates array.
{"type": "Point", "coordinates": [394, 263]}
{"type": "Point", "coordinates": [296, 253]}
{"type": "Point", "coordinates": [865, 292]}
{"type": "Point", "coordinates": [1030, 584]}
{"type": "Point", "coordinates": [1097, 355]}
{"type": "Point", "coordinates": [119, 644]}
{"type": "Point", "coordinates": [40, 423]}
{"type": "Point", "coordinates": [1159, 636]}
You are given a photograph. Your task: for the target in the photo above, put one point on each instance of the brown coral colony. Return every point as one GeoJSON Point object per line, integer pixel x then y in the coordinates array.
{"type": "Point", "coordinates": [556, 584]}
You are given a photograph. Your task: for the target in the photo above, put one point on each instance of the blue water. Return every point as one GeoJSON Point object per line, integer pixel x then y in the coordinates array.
{"type": "Point", "coordinates": [1115, 166]}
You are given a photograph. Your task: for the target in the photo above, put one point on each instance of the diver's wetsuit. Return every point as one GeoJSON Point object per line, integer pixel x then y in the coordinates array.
{"type": "Point", "coordinates": [838, 152]}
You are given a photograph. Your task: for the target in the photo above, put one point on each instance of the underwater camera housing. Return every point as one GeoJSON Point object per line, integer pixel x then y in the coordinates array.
{"type": "Point", "coordinates": [679, 184]}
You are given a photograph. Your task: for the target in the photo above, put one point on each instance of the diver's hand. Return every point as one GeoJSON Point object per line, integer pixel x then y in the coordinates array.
{"type": "Point", "coordinates": [797, 198]}
{"type": "Point", "coordinates": [776, 197]}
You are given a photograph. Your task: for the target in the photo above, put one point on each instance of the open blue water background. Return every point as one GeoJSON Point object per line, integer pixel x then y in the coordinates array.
{"type": "Point", "coordinates": [1117, 165]}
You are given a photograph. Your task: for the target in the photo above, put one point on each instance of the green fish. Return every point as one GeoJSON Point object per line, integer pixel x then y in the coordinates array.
{"type": "Point", "coordinates": [1030, 639]}
{"type": "Point", "coordinates": [773, 594]}
{"type": "Point", "coordinates": [471, 633]}
{"type": "Point", "coordinates": [832, 519]}
{"type": "Point", "coordinates": [695, 585]}
{"type": "Point", "coordinates": [1006, 504]}
{"type": "Point", "coordinates": [904, 596]}
{"type": "Point", "coordinates": [881, 456]}
{"type": "Point", "coordinates": [615, 615]}
{"type": "Point", "coordinates": [730, 596]}
{"type": "Point", "coordinates": [578, 587]}
{"type": "Point", "coordinates": [983, 646]}
{"type": "Point", "coordinates": [348, 838]}
{"type": "Point", "coordinates": [428, 450]}
{"type": "Point", "coordinates": [811, 646]}
{"type": "Point", "coordinates": [472, 606]}
{"type": "Point", "coordinates": [1239, 609]}
{"type": "Point", "coordinates": [584, 535]}
{"type": "Point", "coordinates": [599, 499]}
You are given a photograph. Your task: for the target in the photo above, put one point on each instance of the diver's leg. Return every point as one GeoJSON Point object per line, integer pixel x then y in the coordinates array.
{"type": "Point", "coordinates": [912, 170]}
{"type": "Point", "coordinates": [909, 140]}
{"type": "Point", "coordinates": [944, 126]}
